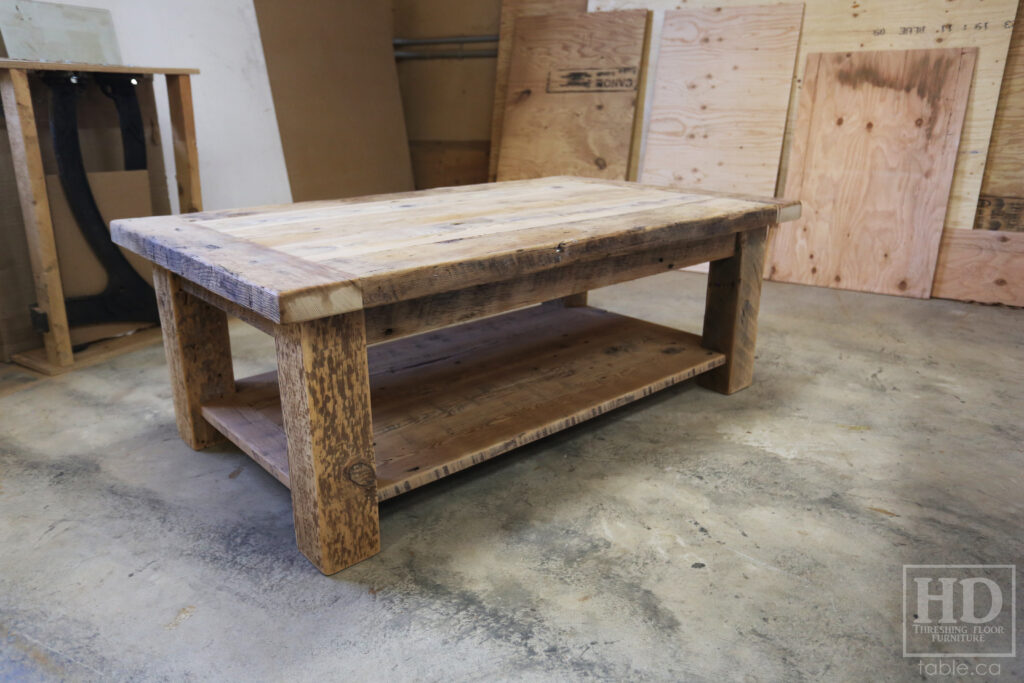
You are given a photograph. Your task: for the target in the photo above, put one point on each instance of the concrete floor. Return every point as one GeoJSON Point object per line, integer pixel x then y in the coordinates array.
{"type": "Point", "coordinates": [690, 536]}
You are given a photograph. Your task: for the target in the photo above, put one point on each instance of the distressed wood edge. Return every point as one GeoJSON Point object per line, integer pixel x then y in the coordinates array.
{"type": "Point", "coordinates": [172, 242]}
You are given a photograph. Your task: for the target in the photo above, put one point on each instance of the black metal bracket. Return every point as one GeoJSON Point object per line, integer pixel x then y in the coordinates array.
{"type": "Point", "coordinates": [127, 296]}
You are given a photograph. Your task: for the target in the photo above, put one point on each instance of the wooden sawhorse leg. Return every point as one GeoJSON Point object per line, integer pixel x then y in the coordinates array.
{"type": "Point", "coordinates": [198, 355]}
{"type": "Point", "coordinates": [730, 315]}
{"type": "Point", "coordinates": [325, 399]}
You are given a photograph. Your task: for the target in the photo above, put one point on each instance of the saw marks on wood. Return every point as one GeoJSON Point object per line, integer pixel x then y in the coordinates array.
{"type": "Point", "coordinates": [872, 162]}
{"type": "Point", "coordinates": [721, 94]}
{"type": "Point", "coordinates": [572, 95]}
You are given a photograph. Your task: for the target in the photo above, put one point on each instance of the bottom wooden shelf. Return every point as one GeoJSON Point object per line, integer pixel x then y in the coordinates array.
{"type": "Point", "coordinates": [452, 398]}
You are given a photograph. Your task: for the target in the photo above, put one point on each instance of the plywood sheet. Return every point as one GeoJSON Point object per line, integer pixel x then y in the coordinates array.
{"type": "Point", "coordinates": [1001, 206]}
{"type": "Point", "coordinates": [332, 73]}
{"type": "Point", "coordinates": [873, 155]}
{"type": "Point", "coordinates": [50, 31]}
{"type": "Point", "coordinates": [981, 265]}
{"type": "Point", "coordinates": [572, 93]}
{"type": "Point", "coordinates": [721, 94]}
{"type": "Point", "coordinates": [510, 11]}
{"type": "Point", "coordinates": [859, 25]}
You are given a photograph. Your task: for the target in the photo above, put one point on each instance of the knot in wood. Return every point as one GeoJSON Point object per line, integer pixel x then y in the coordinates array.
{"type": "Point", "coordinates": [362, 474]}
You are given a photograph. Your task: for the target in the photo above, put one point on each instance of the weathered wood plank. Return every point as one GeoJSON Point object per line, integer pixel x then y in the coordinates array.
{"type": "Point", "coordinates": [198, 356]}
{"type": "Point", "coordinates": [325, 394]}
{"type": "Point", "coordinates": [35, 209]}
{"type": "Point", "coordinates": [872, 164]}
{"type": "Point", "coordinates": [730, 315]}
{"type": "Point", "coordinates": [306, 261]}
{"type": "Point", "coordinates": [571, 282]}
{"type": "Point", "coordinates": [450, 399]}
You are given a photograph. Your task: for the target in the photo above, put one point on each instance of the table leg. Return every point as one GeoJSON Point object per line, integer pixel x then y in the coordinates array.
{"type": "Point", "coordinates": [730, 314]}
{"type": "Point", "coordinates": [325, 399]}
{"type": "Point", "coordinates": [198, 355]}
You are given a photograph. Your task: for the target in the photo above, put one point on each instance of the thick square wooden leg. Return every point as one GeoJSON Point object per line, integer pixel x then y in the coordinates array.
{"type": "Point", "coordinates": [730, 315]}
{"type": "Point", "coordinates": [198, 355]}
{"type": "Point", "coordinates": [325, 400]}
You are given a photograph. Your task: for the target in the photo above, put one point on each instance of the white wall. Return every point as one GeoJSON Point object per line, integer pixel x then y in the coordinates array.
{"type": "Point", "coordinates": [240, 158]}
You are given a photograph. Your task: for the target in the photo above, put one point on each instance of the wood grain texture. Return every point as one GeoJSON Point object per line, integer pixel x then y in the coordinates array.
{"type": "Point", "coordinates": [447, 400]}
{"type": "Point", "coordinates": [198, 356]}
{"type": "Point", "coordinates": [325, 394]}
{"type": "Point", "coordinates": [831, 26]}
{"type": "Point", "coordinates": [299, 262]}
{"type": "Point", "coordinates": [730, 316]}
{"type": "Point", "coordinates": [981, 265]}
{"type": "Point", "coordinates": [332, 73]}
{"type": "Point", "coordinates": [872, 164]}
{"type": "Point", "coordinates": [721, 95]}
{"type": "Point", "coordinates": [35, 209]}
{"type": "Point", "coordinates": [553, 128]}
{"type": "Point", "coordinates": [29, 65]}
{"type": "Point", "coordinates": [566, 284]}
{"type": "Point", "coordinates": [186, 151]}
{"type": "Point", "coordinates": [1001, 205]}
{"type": "Point", "coordinates": [510, 11]}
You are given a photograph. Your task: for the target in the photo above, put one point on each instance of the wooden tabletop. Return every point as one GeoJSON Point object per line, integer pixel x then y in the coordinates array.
{"type": "Point", "coordinates": [296, 262]}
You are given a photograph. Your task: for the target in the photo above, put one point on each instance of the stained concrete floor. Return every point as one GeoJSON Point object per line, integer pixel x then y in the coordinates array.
{"type": "Point", "coordinates": [690, 536]}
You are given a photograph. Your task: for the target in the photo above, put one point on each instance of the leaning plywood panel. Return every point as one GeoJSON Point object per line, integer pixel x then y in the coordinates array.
{"type": "Point", "coordinates": [332, 72]}
{"type": "Point", "coordinates": [50, 31]}
{"type": "Point", "coordinates": [510, 11]}
{"type": "Point", "coordinates": [981, 265]}
{"type": "Point", "coordinates": [873, 155]}
{"type": "Point", "coordinates": [859, 25]}
{"type": "Point", "coordinates": [1001, 206]}
{"type": "Point", "coordinates": [721, 93]}
{"type": "Point", "coordinates": [572, 95]}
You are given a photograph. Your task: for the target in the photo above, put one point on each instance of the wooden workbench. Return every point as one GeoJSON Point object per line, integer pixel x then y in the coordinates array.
{"type": "Point", "coordinates": [372, 301]}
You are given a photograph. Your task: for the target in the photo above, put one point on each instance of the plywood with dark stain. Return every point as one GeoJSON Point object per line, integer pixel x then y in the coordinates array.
{"type": "Point", "coordinates": [573, 87]}
{"type": "Point", "coordinates": [873, 157]}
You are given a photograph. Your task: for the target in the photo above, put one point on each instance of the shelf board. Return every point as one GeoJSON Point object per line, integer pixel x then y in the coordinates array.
{"type": "Point", "coordinates": [449, 399]}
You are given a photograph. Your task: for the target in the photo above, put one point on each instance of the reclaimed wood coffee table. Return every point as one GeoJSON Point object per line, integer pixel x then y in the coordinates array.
{"type": "Point", "coordinates": [385, 382]}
